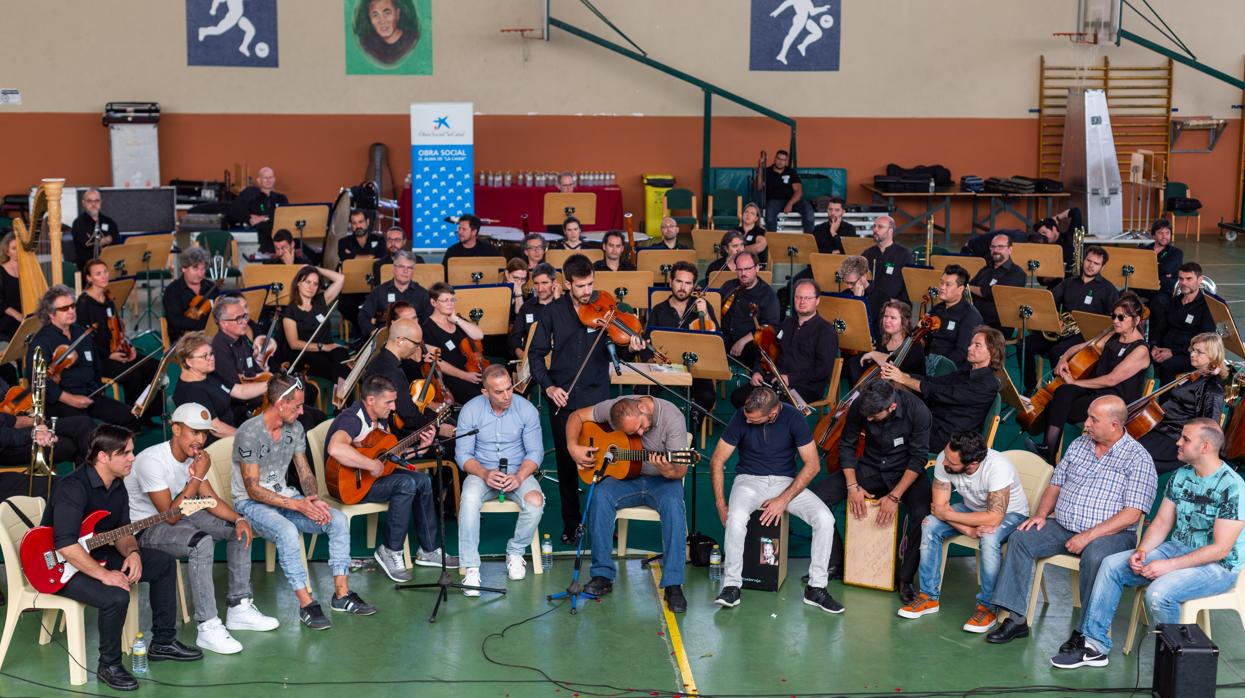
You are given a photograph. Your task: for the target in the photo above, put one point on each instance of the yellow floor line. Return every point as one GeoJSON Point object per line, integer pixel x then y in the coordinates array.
{"type": "Point", "coordinates": [676, 638]}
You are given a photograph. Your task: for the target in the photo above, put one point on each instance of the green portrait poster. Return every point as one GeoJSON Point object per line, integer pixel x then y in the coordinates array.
{"type": "Point", "coordinates": [388, 37]}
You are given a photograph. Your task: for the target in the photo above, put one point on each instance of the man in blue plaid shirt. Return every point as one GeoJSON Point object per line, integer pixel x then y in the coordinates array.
{"type": "Point", "coordinates": [1101, 489]}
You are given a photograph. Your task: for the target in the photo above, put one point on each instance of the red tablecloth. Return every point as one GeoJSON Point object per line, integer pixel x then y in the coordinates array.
{"type": "Point", "coordinates": [508, 204]}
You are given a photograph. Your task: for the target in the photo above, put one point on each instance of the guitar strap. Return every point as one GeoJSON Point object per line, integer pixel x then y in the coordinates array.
{"type": "Point", "coordinates": [20, 514]}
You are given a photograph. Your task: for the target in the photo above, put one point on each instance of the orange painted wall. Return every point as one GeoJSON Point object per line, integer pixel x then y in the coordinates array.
{"type": "Point", "coordinates": [316, 154]}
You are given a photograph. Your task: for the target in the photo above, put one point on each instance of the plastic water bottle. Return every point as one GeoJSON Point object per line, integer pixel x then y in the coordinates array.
{"type": "Point", "coordinates": [138, 656]}
{"type": "Point", "coordinates": [715, 564]}
{"type": "Point", "coordinates": [546, 553]}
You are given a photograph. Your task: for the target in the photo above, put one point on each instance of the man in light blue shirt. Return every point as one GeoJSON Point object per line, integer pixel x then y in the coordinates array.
{"type": "Point", "coordinates": [499, 460]}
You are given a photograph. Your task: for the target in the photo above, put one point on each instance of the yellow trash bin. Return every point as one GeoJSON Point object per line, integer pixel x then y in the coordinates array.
{"type": "Point", "coordinates": [655, 188]}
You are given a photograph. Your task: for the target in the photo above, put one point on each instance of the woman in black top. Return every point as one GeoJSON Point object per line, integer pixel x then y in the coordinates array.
{"type": "Point", "coordinates": [445, 330]}
{"type": "Point", "coordinates": [308, 305]}
{"type": "Point", "coordinates": [198, 383]}
{"type": "Point", "coordinates": [1200, 396]}
{"type": "Point", "coordinates": [1120, 370]}
{"type": "Point", "coordinates": [895, 321]}
{"type": "Point", "coordinates": [10, 288]}
{"type": "Point", "coordinates": [573, 236]}
{"type": "Point", "coordinates": [95, 308]}
{"type": "Point", "coordinates": [754, 233]}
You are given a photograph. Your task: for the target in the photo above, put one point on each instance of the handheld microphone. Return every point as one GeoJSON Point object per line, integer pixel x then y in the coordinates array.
{"type": "Point", "coordinates": [503, 466]}
{"type": "Point", "coordinates": [614, 359]}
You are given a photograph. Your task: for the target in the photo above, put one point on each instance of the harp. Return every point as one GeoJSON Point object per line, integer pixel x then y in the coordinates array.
{"type": "Point", "coordinates": [41, 238]}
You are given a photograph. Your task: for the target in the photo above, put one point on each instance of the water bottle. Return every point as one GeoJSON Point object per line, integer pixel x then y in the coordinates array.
{"type": "Point", "coordinates": [546, 553]}
{"type": "Point", "coordinates": [931, 185]}
{"type": "Point", "coordinates": [138, 656]}
{"type": "Point", "coordinates": [715, 564]}
{"type": "Point", "coordinates": [503, 466]}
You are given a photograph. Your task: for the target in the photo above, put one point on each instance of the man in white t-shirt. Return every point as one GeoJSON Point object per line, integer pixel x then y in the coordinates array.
{"type": "Point", "coordinates": [994, 504]}
{"type": "Point", "coordinates": [163, 476]}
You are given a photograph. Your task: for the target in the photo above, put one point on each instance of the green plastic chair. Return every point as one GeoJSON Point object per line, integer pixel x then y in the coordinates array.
{"type": "Point", "coordinates": [1181, 190]}
{"type": "Point", "coordinates": [725, 208]}
{"type": "Point", "coordinates": [936, 365]}
{"type": "Point", "coordinates": [990, 426]}
{"type": "Point", "coordinates": [681, 200]}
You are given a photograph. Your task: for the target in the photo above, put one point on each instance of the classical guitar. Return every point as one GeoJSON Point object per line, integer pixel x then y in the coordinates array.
{"type": "Point", "coordinates": [622, 454]}
{"type": "Point", "coordinates": [48, 571]}
{"type": "Point", "coordinates": [349, 485]}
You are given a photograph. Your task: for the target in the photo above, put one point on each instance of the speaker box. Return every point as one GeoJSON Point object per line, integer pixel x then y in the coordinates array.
{"type": "Point", "coordinates": [1185, 662]}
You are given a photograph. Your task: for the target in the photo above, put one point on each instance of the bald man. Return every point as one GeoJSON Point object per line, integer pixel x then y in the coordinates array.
{"type": "Point", "coordinates": [1100, 491]}
{"type": "Point", "coordinates": [405, 337]}
{"type": "Point", "coordinates": [669, 236]}
{"type": "Point", "coordinates": [887, 259]}
{"type": "Point", "coordinates": [258, 205]}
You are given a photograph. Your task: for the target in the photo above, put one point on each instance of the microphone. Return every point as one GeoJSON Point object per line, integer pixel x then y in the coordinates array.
{"type": "Point", "coordinates": [614, 359]}
{"type": "Point", "coordinates": [503, 466]}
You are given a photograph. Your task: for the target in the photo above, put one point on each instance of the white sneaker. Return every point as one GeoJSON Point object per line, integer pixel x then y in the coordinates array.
{"type": "Point", "coordinates": [245, 616]}
{"type": "Point", "coordinates": [516, 567]}
{"type": "Point", "coordinates": [472, 579]}
{"type": "Point", "coordinates": [214, 637]}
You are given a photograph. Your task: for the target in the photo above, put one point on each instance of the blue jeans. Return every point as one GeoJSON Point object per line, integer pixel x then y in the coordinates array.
{"type": "Point", "coordinates": [284, 527]}
{"type": "Point", "coordinates": [474, 494]}
{"type": "Point", "coordinates": [407, 492]}
{"type": "Point", "coordinates": [1163, 598]}
{"type": "Point", "coordinates": [664, 495]}
{"type": "Point", "coordinates": [774, 207]}
{"type": "Point", "coordinates": [934, 531]}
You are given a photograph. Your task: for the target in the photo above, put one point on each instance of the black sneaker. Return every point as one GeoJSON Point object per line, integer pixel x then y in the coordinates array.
{"type": "Point", "coordinates": [1079, 657]}
{"type": "Point", "coordinates": [907, 593]}
{"type": "Point", "coordinates": [675, 601]}
{"type": "Point", "coordinates": [819, 598]}
{"type": "Point", "coordinates": [314, 618]}
{"type": "Point", "coordinates": [116, 677]}
{"type": "Point", "coordinates": [728, 598]}
{"type": "Point", "coordinates": [351, 603]}
{"type": "Point", "coordinates": [832, 573]}
{"type": "Point", "coordinates": [175, 651]}
{"type": "Point", "coordinates": [599, 586]}
{"type": "Point", "coordinates": [1076, 642]}
{"type": "Point", "coordinates": [1008, 631]}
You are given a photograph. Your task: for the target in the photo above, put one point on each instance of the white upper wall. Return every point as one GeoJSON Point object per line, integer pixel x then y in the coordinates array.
{"type": "Point", "coordinates": [907, 58]}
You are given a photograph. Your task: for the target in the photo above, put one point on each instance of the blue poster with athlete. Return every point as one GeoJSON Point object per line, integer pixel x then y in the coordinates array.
{"type": "Point", "coordinates": [235, 33]}
{"type": "Point", "coordinates": [795, 35]}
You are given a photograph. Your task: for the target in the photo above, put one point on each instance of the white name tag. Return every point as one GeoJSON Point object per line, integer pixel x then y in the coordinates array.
{"type": "Point", "coordinates": [104, 227]}
{"type": "Point", "coordinates": [109, 313]}
{"type": "Point", "coordinates": [223, 389]}
{"type": "Point", "coordinates": [779, 336]}
{"type": "Point", "coordinates": [591, 330]}
{"type": "Point", "coordinates": [1121, 352]}
{"type": "Point", "coordinates": [249, 362]}
{"type": "Point", "coordinates": [449, 345]}
{"type": "Point", "coordinates": [993, 281]}
{"type": "Point", "coordinates": [951, 326]}
{"type": "Point", "coordinates": [530, 319]}
{"type": "Point", "coordinates": [751, 239]}
{"type": "Point", "coordinates": [1188, 319]}
{"type": "Point", "coordinates": [392, 298]}
{"type": "Point", "coordinates": [890, 270]}
{"type": "Point", "coordinates": [320, 317]}
{"type": "Point", "coordinates": [898, 441]}
{"type": "Point", "coordinates": [1088, 299]}
{"type": "Point", "coordinates": [87, 354]}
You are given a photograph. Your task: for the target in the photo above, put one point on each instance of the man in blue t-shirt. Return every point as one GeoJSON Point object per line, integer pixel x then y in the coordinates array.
{"type": "Point", "coordinates": [1202, 509]}
{"type": "Point", "coordinates": [769, 435]}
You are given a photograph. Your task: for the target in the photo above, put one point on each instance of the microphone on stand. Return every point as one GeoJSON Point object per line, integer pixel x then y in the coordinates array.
{"type": "Point", "coordinates": [614, 359]}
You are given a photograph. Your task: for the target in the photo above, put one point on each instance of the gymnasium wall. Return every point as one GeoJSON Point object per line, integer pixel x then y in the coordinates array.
{"type": "Point", "coordinates": [950, 82]}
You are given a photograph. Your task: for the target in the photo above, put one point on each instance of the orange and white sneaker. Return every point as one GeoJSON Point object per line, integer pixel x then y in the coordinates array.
{"type": "Point", "coordinates": [983, 619]}
{"type": "Point", "coordinates": [922, 606]}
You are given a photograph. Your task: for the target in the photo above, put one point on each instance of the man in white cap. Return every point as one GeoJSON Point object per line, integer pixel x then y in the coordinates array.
{"type": "Point", "coordinates": [163, 476]}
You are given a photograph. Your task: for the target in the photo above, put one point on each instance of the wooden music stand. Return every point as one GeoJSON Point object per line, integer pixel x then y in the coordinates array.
{"type": "Point", "coordinates": [1144, 265]}
{"type": "Point", "coordinates": [161, 247]}
{"type": "Point", "coordinates": [584, 205]}
{"type": "Point", "coordinates": [778, 243]}
{"type": "Point", "coordinates": [971, 263]}
{"type": "Point", "coordinates": [713, 298]}
{"type": "Point", "coordinates": [711, 362]}
{"type": "Point", "coordinates": [268, 274]}
{"type": "Point", "coordinates": [637, 284]}
{"type": "Point", "coordinates": [315, 216]}
{"type": "Point", "coordinates": [704, 243]}
{"type": "Point", "coordinates": [919, 281]}
{"type": "Point", "coordinates": [856, 245]}
{"type": "Point", "coordinates": [826, 269]}
{"type": "Point", "coordinates": [1224, 325]}
{"type": "Point", "coordinates": [852, 313]}
{"type": "Point", "coordinates": [357, 271]}
{"type": "Point", "coordinates": [1007, 390]}
{"type": "Point", "coordinates": [1091, 324]}
{"type": "Point", "coordinates": [869, 550]}
{"type": "Point", "coordinates": [1048, 257]}
{"type": "Point", "coordinates": [126, 260]}
{"type": "Point", "coordinates": [674, 375]}
{"type": "Point", "coordinates": [120, 291]}
{"type": "Point", "coordinates": [460, 270]}
{"type": "Point", "coordinates": [557, 258]}
{"type": "Point", "coordinates": [654, 260]}
{"type": "Point", "coordinates": [15, 351]}
{"type": "Point", "coordinates": [1041, 316]}
{"type": "Point", "coordinates": [494, 300]}
{"type": "Point", "coordinates": [425, 274]}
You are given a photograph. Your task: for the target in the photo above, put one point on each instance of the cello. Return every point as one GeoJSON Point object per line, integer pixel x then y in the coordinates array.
{"type": "Point", "coordinates": [1081, 363]}
{"type": "Point", "coordinates": [1145, 413]}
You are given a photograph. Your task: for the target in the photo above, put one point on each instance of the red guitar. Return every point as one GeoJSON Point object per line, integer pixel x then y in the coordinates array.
{"type": "Point", "coordinates": [48, 571]}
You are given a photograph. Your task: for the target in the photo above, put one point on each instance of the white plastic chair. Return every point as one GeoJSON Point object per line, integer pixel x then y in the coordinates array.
{"type": "Point", "coordinates": [1193, 610]}
{"type": "Point", "coordinates": [512, 507]}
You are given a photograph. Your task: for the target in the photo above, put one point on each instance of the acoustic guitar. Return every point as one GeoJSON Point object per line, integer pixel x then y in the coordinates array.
{"type": "Point", "coordinates": [622, 454]}
{"type": "Point", "coordinates": [350, 485]}
{"type": "Point", "coordinates": [48, 571]}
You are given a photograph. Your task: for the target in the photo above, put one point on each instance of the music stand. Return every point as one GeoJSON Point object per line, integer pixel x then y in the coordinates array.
{"type": "Point", "coordinates": [269, 274]}
{"type": "Point", "coordinates": [1048, 259]}
{"type": "Point", "coordinates": [644, 374]}
{"type": "Point", "coordinates": [120, 290]}
{"type": "Point", "coordinates": [473, 271]}
{"type": "Point", "coordinates": [713, 298]}
{"type": "Point", "coordinates": [1130, 267]}
{"type": "Point", "coordinates": [305, 221]}
{"type": "Point", "coordinates": [1026, 309]}
{"type": "Point", "coordinates": [918, 281]}
{"type": "Point", "coordinates": [792, 248]}
{"type": "Point", "coordinates": [583, 206]}
{"type": "Point", "coordinates": [1223, 324]}
{"type": "Point", "coordinates": [556, 258]}
{"type": "Point", "coordinates": [971, 263]}
{"type": "Point", "coordinates": [357, 272]}
{"type": "Point", "coordinates": [850, 318]}
{"type": "Point", "coordinates": [705, 243]}
{"type": "Point", "coordinates": [492, 300]}
{"type": "Point", "coordinates": [825, 267]}
{"type": "Point", "coordinates": [655, 260]}
{"type": "Point", "coordinates": [630, 287]}
{"type": "Point", "coordinates": [855, 245]}
{"type": "Point", "coordinates": [15, 352]}
{"type": "Point", "coordinates": [123, 260]}
{"type": "Point", "coordinates": [1007, 391]}
{"type": "Point", "coordinates": [425, 274]}
{"type": "Point", "coordinates": [1091, 324]}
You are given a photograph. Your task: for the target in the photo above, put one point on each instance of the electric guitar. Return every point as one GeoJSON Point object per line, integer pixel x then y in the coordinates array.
{"type": "Point", "coordinates": [48, 571]}
{"type": "Point", "coordinates": [349, 485]}
{"type": "Point", "coordinates": [622, 454]}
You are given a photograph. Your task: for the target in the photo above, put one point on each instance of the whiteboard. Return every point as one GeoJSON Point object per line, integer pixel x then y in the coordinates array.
{"type": "Point", "coordinates": [135, 152]}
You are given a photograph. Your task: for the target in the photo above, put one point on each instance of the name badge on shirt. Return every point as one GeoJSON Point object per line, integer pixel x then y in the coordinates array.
{"type": "Point", "coordinates": [779, 335]}
{"type": "Point", "coordinates": [392, 298]}
{"type": "Point", "coordinates": [1121, 352]}
{"type": "Point", "coordinates": [87, 354]}
{"type": "Point", "coordinates": [250, 362]}
{"type": "Point", "coordinates": [890, 269]}
{"type": "Point", "coordinates": [104, 227]}
{"type": "Point", "coordinates": [530, 319]}
{"type": "Point", "coordinates": [591, 330]}
{"type": "Point", "coordinates": [951, 326]}
{"type": "Point", "coordinates": [108, 311]}
{"type": "Point", "coordinates": [993, 281]}
{"type": "Point", "coordinates": [1188, 319]}
{"type": "Point", "coordinates": [898, 441]}
{"type": "Point", "coordinates": [320, 317]}
{"type": "Point", "coordinates": [1088, 299]}
{"type": "Point", "coordinates": [751, 239]}
{"type": "Point", "coordinates": [449, 345]}
{"type": "Point", "coordinates": [223, 389]}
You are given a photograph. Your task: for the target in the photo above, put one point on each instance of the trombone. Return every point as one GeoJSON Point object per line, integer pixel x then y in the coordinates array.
{"type": "Point", "coordinates": [40, 456]}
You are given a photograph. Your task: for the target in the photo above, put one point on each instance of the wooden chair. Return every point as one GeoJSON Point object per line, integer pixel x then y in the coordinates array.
{"type": "Point", "coordinates": [705, 244]}
{"type": "Point", "coordinates": [638, 513]}
{"type": "Point", "coordinates": [512, 507]}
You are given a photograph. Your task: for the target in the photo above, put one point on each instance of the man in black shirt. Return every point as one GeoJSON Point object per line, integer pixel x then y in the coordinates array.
{"type": "Point", "coordinates": [179, 293]}
{"type": "Point", "coordinates": [544, 291]}
{"type": "Point", "coordinates": [395, 241]}
{"type": "Point", "coordinates": [1170, 258]}
{"type": "Point", "coordinates": [959, 319]}
{"type": "Point", "coordinates": [744, 292]}
{"type": "Point", "coordinates": [1059, 231]}
{"type": "Point", "coordinates": [405, 338]}
{"type": "Point", "coordinates": [1174, 324]}
{"type": "Point", "coordinates": [887, 259]}
{"type": "Point", "coordinates": [612, 247]}
{"type": "Point", "coordinates": [808, 346]}
{"type": "Point", "coordinates": [69, 442]}
{"type": "Point", "coordinates": [361, 241]}
{"type": "Point", "coordinates": [91, 227]}
{"type": "Point", "coordinates": [285, 250]}
{"type": "Point", "coordinates": [98, 486]}
{"type": "Point", "coordinates": [469, 243]}
{"type": "Point", "coordinates": [896, 427]}
{"type": "Point", "coordinates": [681, 312]}
{"type": "Point", "coordinates": [399, 288]}
{"type": "Point", "coordinates": [1088, 292]}
{"type": "Point", "coordinates": [575, 350]}
{"type": "Point", "coordinates": [256, 205]}
{"type": "Point", "coordinates": [1001, 271]}
{"type": "Point", "coordinates": [723, 268]}
{"type": "Point", "coordinates": [959, 401]}
{"type": "Point", "coordinates": [829, 235]}
{"type": "Point", "coordinates": [784, 192]}
{"type": "Point", "coordinates": [669, 236]}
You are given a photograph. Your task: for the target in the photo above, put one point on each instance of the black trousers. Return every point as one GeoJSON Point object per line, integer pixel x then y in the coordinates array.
{"type": "Point", "coordinates": [1035, 345]}
{"type": "Point", "coordinates": [133, 384]}
{"type": "Point", "coordinates": [568, 472]}
{"type": "Point", "coordinates": [73, 439]}
{"type": "Point", "coordinates": [104, 408]}
{"type": "Point", "coordinates": [19, 485]}
{"type": "Point", "coordinates": [1162, 449]}
{"type": "Point", "coordinates": [113, 602]}
{"type": "Point", "coordinates": [326, 364]}
{"type": "Point", "coordinates": [916, 499]}
{"type": "Point", "coordinates": [348, 305]}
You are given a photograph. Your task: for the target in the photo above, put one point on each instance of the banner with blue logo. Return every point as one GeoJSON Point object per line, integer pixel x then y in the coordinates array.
{"type": "Point", "coordinates": [795, 35]}
{"type": "Point", "coordinates": [442, 170]}
{"type": "Point", "coordinates": [235, 33]}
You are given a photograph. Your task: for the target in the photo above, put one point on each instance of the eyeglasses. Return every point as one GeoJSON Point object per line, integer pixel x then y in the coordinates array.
{"type": "Point", "coordinates": [739, 268]}
{"type": "Point", "coordinates": [208, 355]}
{"type": "Point", "coordinates": [1195, 350]}
{"type": "Point", "coordinates": [63, 308]}
{"type": "Point", "coordinates": [404, 267]}
{"type": "Point", "coordinates": [296, 385]}
{"type": "Point", "coordinates": [806, 298]}
{"type": "Point", "coordinates": [240, 318]}
{"type": "Point", "coordinates": [90, 201]}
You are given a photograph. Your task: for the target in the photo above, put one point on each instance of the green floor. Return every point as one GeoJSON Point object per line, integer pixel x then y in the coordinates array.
{"type": "Point", "coordinates": [770, 645]}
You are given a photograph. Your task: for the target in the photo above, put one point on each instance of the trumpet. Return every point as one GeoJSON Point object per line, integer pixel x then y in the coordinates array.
{"type": "Point", "coordinates": [1067, 328]}
{"type": "Point", "coordinates": [40, 456]}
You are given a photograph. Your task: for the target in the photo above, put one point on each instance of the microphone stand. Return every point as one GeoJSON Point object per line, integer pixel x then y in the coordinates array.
{"type": "Point", "coordinates": [445, 582]}
{"type": "Point", "coordinates": [575, 591]}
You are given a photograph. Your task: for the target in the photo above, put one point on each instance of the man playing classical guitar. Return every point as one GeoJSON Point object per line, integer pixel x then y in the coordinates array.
{"type": "Point", "coordinates": [107, 573]}
{"type": "Point", "coordinates": [406, 491]}
{"type": "Point", "coordinates": [660, 426]}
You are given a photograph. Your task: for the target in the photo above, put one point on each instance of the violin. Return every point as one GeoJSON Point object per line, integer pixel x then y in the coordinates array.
{"type": "Point", "coordinates": [117, 341]}
{"type": "Point", "coordinates": [200, 305]}
{"type": "Point", "coordinates": [431, 388]}
{"type": "Point", "coordinates": [602, 312]}
{"type": "Point", "coordinates": [64, 356]}
{"type": "Point", "coordinates": [1145, 413]}
{"type": "Point", "coordinates": [729, 301]}
{"type": "Point", "coordinates": [702, 323]}
{"type": "Point", "coordinates": [473, 349]}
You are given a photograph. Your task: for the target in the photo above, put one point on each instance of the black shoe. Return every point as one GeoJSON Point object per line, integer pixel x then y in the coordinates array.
{"type": "Point", "coordinates": [175, 651]}
{"type": "Point", "coordinates": [1076, 642]}
{"type": "Point", "coordinates": [1008, 631]}
{"type": "Point", "coordinates": [313, 617]}
{"type": "Point", "coordinates": [570, 538]}
{"type": "Point", "coordinates": [116, 677]}
{"type": "Point", "coordinates": [1040, 449]}
{"type": "Point", "coordinates": [728, 598]}
{"type": "Point", "coordinates": [675, 601]}
{"type": "Point", "coordinates": [599, 586]}
{"type": "Point", "coordinates": [907, 594]}
{"type": "Point", "coordinates": [818, 598]}
{"type": "Point", "coordinates": [352, 603]}
{"type": "Point", "coordinates": [1078, 657]}
{"type": "Point", "coordinates": [833, 573]}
